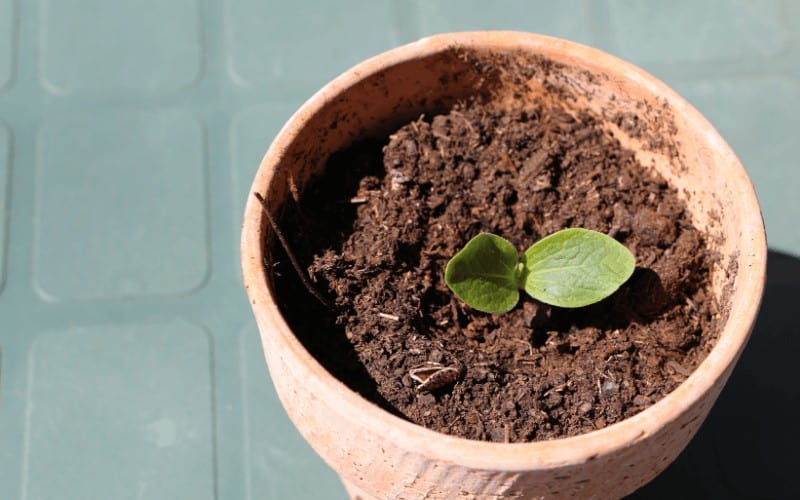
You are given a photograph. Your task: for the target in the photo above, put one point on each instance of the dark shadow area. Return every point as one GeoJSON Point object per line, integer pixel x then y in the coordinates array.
{"type": "Point", "coordinates": [642, 300]}
{"type": "Point", "coordinates": [746, 447]}
{"type": "Point", "coordinates": [321, 219]}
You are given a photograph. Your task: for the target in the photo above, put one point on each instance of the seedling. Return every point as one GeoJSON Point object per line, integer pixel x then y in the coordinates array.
{"type": "Point", "coordinates": [570, 268]}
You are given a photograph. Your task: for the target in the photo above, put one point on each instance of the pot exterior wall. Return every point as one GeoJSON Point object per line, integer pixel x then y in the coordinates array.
{"type": "Point", "coordinates": [372, 467]}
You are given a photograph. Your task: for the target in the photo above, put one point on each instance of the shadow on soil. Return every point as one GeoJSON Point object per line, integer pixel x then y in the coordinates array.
{"type": "Point", "coordinates": [325, 220]}
{"type": "Point", "coordinates": [747, 446]}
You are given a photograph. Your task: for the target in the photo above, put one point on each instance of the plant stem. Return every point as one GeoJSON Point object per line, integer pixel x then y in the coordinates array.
{"type": "Point", "coordinates": [292, 258]}
{"type": "Point", "coordinates": [520, 273]}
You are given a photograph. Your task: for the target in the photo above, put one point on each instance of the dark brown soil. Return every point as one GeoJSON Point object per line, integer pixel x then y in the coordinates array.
{"type": "Point", "coordinates": [377, 230]}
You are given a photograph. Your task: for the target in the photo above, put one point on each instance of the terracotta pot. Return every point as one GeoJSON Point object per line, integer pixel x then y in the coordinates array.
{"type": "Point", "coordinates": [379, 455]}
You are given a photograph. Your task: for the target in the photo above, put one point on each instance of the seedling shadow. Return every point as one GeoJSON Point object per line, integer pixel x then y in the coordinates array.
{"type": "Point", "coordinates": [641, 300]}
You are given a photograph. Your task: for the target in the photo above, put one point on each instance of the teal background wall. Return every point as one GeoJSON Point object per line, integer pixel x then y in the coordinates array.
{"type": "Point", "coordinates": [129, 132]}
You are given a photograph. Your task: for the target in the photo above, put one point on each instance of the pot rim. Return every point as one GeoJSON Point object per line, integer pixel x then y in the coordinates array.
{"type": "Point", "coordinates": [559, 452]}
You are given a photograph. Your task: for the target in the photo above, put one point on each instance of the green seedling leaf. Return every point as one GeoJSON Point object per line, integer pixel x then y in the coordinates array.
{"type": "Point", "coordinates": [485, 274]}
{"type": "Point", "coordinates": [570, 268]}
{"type": "Point", "coordinates": [576, 267]}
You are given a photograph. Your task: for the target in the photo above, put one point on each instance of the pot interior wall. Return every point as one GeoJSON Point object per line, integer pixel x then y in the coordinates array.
{"type": "Point", "coordinates": [640, 114]}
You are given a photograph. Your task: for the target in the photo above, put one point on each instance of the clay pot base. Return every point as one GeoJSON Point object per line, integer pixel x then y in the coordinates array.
{"type": "Point", "coordinates": [378, 227]}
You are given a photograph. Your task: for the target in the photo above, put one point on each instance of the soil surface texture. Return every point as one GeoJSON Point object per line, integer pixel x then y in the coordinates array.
{"type": "Point", "coordinates": [376, 230]}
